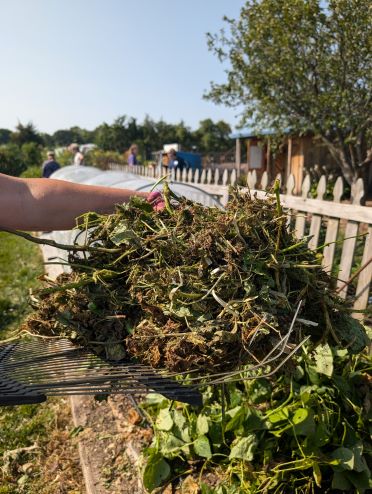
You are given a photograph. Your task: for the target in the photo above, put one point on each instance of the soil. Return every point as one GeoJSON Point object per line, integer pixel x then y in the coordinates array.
{"type": "Point", "coordinates": [112, 436]}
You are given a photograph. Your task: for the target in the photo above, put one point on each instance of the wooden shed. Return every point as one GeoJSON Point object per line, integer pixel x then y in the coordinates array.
{"type": "Point", "coordinates": [294, 155]}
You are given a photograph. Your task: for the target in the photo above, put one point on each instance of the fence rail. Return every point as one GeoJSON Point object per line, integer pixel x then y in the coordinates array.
{"type": "Point", "coordinates": [344, 229]}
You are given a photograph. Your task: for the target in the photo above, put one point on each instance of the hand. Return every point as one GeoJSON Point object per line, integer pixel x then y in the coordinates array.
{"type": "Point", "coordinates": [156, 200]}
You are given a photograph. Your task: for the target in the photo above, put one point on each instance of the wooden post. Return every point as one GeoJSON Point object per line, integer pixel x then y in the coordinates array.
{"type": "Point", "coordinates": [238, 156]}
{"type": "Point", "coordinates": [268, 164]}
{"type": "Point", "coordinates": [289, 159]}
{"type": "Point", "coordinates": [300, 171]}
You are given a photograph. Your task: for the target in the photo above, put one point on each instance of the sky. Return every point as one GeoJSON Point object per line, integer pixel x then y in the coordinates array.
{"type": "Point", "coordinates": [84, 62]}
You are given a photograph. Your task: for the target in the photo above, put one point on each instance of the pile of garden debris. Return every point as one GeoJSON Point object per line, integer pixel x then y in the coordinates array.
{"type": "Point", "coordinates": [192, 287]}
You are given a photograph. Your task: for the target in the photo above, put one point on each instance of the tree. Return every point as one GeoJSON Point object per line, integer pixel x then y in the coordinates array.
{"type": "Point", "coordinates": [26, 133]}
{"type": "Point", "coordinates": [116, 137]}
{"type": "Point", "coordinates": [5, 136]}
{"type": "Point", "coordinates": [11, 162]}
{"type": "Point", "coordinates": [32, 154]}
{"type": "Point", "coordinates": [213, 136]}
{"type": "Point", "coordinates": [303, 65]}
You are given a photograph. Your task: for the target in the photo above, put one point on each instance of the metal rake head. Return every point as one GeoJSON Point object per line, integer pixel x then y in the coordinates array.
{"type": "Point", "coordinates": [31, 370]}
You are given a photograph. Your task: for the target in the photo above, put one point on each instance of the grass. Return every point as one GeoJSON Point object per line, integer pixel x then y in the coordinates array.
{"type": "Point", "coordinates": [37, 455]}
{"type": "Point", "coordinates": [20, 265]}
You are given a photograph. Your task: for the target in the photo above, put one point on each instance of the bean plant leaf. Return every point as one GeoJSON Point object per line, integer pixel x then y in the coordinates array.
{"type": "Point", "coordinates": [344, 459]}
{"type": "Point", "coordinates": [156, 472]}
{"type": "Point", "coordinates": [324, 360]}
{"type": "Point", "coordinates": [243, 448]}
{"type": "Point", "coordinates": [303, 422]}
{"type": "Point", "coordinates": [341, 482]}
{"type": "Point", "coordinates": [171, 445]}
{"type": "Point", "coordinates": [164, 421]}
{"type": "Point", "coordinates": [317, 474]}
{"type": "Point", "coordinates": [202, 447]}
{"type": "Point", "coordinates": [121, 234]}
{"type": "Point", "coordinates": [202, 425]}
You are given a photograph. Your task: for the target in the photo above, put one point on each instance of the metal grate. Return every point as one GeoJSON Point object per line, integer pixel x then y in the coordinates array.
{"type": "Point", "coordinates": [32, 370]}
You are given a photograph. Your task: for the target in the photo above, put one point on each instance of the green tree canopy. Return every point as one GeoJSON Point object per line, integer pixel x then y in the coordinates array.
{"type": "Point", "coordinates": [5, 136]}
{"type": "Point", "coordinates": [26, 133]}
{"type": "Point", "coordinates": [305, 65]}
{"type": "Point", "coordinates": [213, 136]}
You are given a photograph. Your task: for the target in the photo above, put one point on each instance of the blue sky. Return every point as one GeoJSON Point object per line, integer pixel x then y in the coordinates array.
{"type": "Point", "coordinates": [82, 62]}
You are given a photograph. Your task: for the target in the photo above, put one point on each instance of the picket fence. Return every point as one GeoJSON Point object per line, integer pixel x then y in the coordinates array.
{"type": "Point", "coordinates": [341, 227]}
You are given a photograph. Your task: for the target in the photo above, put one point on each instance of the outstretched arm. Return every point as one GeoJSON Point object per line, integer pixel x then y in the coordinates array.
{"type": "Point", "coordinates": [45, 204]}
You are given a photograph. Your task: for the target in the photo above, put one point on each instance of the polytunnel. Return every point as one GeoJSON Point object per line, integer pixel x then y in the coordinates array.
{"type": "Point", "coordinates": [90, 175]}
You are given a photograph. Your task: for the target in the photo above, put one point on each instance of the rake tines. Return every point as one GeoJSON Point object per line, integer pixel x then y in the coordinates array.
{"type": "Point", "coordinates": [31, 370]}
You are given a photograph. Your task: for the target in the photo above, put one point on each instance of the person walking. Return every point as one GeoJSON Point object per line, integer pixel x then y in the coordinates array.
{"type": "Point", "coordinates": [50, 165]}
{"type": "Point", "coordinates": [132, 155]}
{"type": "Point", "coordinates": [175, 162]}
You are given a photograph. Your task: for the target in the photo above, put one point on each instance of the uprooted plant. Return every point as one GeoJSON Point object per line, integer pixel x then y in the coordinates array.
{"type": "Point", "coordinates": [192, 287]}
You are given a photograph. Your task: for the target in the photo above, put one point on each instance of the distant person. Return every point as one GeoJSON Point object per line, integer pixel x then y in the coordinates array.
{"type": "Point", "coordinates": [132, 155]}
{"type": "Point", "coordinates": [50, 165]}
{"type": "Point", "coordinates": [175, 162]}
{"type": "Point", "coordinates": [78, 157]}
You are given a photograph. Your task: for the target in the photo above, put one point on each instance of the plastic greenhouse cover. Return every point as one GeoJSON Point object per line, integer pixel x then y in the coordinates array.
{"type": "Point", "coordinates": [108, 178]}
{"type": "Point", "coordinates": [189, 191]}
{"type": "Point", "coordinates": [76, 173]}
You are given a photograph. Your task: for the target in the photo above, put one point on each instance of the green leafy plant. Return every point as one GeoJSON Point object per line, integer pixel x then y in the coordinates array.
{"type": "Point", "coordinates": [307, 431]}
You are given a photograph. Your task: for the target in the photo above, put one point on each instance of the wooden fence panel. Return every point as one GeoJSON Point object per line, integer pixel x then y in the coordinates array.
{"type": "Point", "coordinates": [316, 220]}
{"type": "Point", "coordinates": [364, 279]}
{"type": "Point", "coordinates": [301, 216]}
{"type": "Point", "coordinates": [332, 230]}
{"type": "Point", "coordinates": [348, 247]}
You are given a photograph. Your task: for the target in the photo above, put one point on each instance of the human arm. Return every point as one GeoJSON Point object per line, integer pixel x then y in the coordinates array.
{"type": "Point", "coordinates": [46, 204]}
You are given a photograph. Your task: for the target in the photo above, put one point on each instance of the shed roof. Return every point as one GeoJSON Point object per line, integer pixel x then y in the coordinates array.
{"type": "Point", "coordinates": [251, 132]}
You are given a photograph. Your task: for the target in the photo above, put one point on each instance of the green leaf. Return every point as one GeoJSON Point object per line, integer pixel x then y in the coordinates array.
{"type": "Point", "coordinates": [361, 480]}
{"type": "Point", "coordinates": [244, 447]}
{"type": "Point", "coordinates": [237, 419]}
{"type": "Point", "coordinates": [171, 445]}
{"type": "Point", "coordinates": [215, 433]}
{"type": "Point", "coordinates": [324, 360]}
{"type": "Point", "coordinates": [164, 420]}
{"type": "Point", "coordinates": [321, 436]}
{"type": "Point", "coordinates": [344, 459]}
{"type": "Point", "coordinates": [179, 419]}
{"type": "Point", "coordinates": [202, 425]}
{"type": "Point", "coordinates": [121, 234]}
{"type": "Point", "coordinates": [341, 482]}
{"type": "Point", "coordinates": [253, 421]}
{"type": "Point", "coordinates": [279, 415]}
{"type": "Point", "coordinates": [155, 399]}
{"type": "Point", "coordinates": [156, 472]}
{"type": "Point", "coordinates": [359, 462]}
{"type": "Point", "coordinates": [317, 474]}
{"type": "Point", "coordinates": [202, 447]}
{"type": "Point", "coordinates": [181, 428]}
{"type": "Point", "coordinates": [303, 422]}
{"type": "Point", "coordinates": [259, 390]}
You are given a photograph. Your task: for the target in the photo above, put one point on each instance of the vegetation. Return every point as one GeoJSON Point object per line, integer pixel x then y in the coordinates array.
{"type": "Point", "coordinates": [26, 147]}
{"type": "Point", "coordinates": [35, 447]}
{"type": "Point", "coordinates": [305, 66]}
{"type": "Point", "coordinates": [20, 267]}
{"type": "Point", "coordinates": [194, 288]}
{"type": "Point", "coordinates": [303, 431]}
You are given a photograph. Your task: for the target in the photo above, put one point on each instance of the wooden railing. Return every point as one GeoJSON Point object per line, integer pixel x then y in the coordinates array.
{"type": "Point", "coordinates": [344, 229]}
